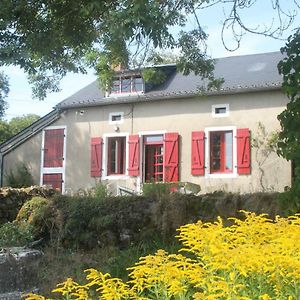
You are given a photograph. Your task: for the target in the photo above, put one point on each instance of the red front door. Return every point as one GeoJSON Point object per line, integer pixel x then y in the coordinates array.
{"type": "Point", "coordinates": [154, 163]}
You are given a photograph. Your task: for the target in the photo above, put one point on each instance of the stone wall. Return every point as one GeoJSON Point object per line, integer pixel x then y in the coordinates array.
{"type": "Point", "coordinates": [11, 200]}
{"type": "Point", "coordinates": [18, 272]}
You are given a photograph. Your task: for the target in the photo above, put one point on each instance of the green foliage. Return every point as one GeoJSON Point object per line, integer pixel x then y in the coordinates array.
{"type": "Point", "coordinates": [289, 137]}
{"type": "Point", "coordinates": [15, 234]}
{"type": "Point", "coordinates": [43, 217]}
{"type": "Point", "coordinates": [158, 190]}
{"type": "Point", "coordinates": [153, 75]}
{"type": "Point", "coordinates": [15, 125]}
{"type": "Point", "coordinates": [46, 41]}
{"type": "Point", "coordinates": [5, 131]}
{"type": "Point", "coordinates": [4, 89]}
{"type": "Point", "coordinates": [20, 177]}
{"type": "Point", "coordinates": [289, 67]}
{"type": "Point", "coordinates": [101, 190]}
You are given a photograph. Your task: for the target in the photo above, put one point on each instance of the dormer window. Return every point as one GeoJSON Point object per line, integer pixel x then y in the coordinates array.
{"type": "Point", "coordinates": [127, 84]}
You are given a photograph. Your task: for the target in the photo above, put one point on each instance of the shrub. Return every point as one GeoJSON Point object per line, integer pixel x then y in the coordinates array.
{"type": "Point", "coordinates": [101, 190]}
{"type": "Point", "coordinates": [158, 190]}
{"type": "Point", "coordinates": [41, 214]}
{"type": "Point", "coordinates": [16, 234]}
{"type": "Point", "coordinates": [21, 177]}
{"type": "Point", "coordinates": [289, 201]}
{"type": "Point", "coordinates": [253, 259]}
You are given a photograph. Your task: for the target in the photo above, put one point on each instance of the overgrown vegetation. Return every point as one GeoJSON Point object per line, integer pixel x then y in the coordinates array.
{"type": "Point", "coordinates": [20, 177]}
{"type": "Point", "coordinates": [255, 258]}
{"type": "Point", "coordinates": [289, 137]}
{"type": "Point", "coordinates": [111, 233]}
{"type": "Point", "coordinates": [16, 234]}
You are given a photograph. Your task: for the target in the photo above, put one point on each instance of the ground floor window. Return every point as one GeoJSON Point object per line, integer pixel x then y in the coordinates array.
{"type": "Point", "coordinates": [221, 152]}
{"type": "Point", "coordinates": [116, 151]}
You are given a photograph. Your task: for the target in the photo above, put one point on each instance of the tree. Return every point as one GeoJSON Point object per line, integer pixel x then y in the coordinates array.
{"type": "Point", "coordinates": [4, 89]}
{"type": "Point", "coordinates": [15, 125]}
{"type": "Point", "coordinates": [48, 38]}
{"type": "Point", "coordinates": [289, 67]}
{"type": "Point", "coordinates": [289, 137]}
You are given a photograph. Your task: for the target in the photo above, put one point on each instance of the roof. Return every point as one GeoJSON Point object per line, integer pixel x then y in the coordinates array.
{"type": "Point", "coordinates": [244, 73]}
{"type": "Point", "coordinates": [28, 132]}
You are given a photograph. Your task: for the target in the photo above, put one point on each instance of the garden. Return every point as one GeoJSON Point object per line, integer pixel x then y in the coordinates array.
{"type": "Point", "coordinates": [162, 245]}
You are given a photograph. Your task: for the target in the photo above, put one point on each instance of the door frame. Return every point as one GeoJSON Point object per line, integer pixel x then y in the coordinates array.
{"type": "Point", "coordinates": [55, 170]}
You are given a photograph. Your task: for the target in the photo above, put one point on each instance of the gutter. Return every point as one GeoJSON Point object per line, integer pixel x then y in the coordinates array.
{"type": "Point", "coordinates": [167, 96]}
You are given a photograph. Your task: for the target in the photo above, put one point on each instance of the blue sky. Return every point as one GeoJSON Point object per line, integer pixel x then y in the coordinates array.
{"type": "Point", "coordinates": [20, 100]}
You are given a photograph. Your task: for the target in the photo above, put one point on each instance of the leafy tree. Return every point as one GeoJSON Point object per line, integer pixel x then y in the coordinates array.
{"type": "Point", "coordinates": [19, 123]}
{"type": "Point", "coordinates": [5, 132]}
{"type": "Point", "coordinates": [48, 38]}
{"type": "Point", "coordinates": [289, 67]}
{"type": "Point", "coordinates": [15, 125]}
{"type": "Point", "coordinates": [289, 137]}
{"type": "Point", "coordinates": [4, 89]}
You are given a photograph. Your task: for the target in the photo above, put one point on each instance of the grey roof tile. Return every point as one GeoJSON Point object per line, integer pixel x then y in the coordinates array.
{"type": "Point", "coordinates": [241, 74]}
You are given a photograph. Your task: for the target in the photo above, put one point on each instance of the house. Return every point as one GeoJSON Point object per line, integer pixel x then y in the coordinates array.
{"type": "Point", "coordinates": [163, 133]}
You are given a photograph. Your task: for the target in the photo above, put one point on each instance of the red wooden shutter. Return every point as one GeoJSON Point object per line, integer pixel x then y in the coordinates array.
{"type": "Point", "coordinates": [134, 155]}
{"type": "Point", "coordinates": [53, 148]}
{"type": "Point", "coordinates": [55, 180]}
{"type": "Point", "coordinates": [243, 151]}
{"type": "Point", "coordinates": [171, 151]}
{"type": "Point", "coordinates": [198, 153]}
{"type": "Point", "coordinates": [96, 157]}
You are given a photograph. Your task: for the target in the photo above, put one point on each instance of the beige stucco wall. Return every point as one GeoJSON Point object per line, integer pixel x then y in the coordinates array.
{"type": "Point", "coordinates": [28, 153]}
{"type": "Point", "coordinates": [182, 116]}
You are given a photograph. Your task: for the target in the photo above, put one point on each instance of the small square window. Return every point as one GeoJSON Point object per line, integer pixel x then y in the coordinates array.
{"type": "Point", "coordinates": [220, 110]}
{"type": "Point", "coordinates": [116, 118]}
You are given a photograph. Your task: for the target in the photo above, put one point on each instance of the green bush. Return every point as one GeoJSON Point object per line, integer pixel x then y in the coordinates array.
{"type": "Point", "coordinates": [16, 234]}
{"type": "Point", "coordinates": [158, 190]}
{"type": "Point", "coordinates": [101, 190]}
{"type": "Point", "coordinates": [289, 201]}
{"type": "Point", "coordinates": [21, 177]}
{"type": "Point", "coordinates": [41, 214]}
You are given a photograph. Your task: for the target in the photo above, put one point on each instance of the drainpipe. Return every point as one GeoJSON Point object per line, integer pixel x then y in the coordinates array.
{"type": "Point", "coordinates": [1, 171]}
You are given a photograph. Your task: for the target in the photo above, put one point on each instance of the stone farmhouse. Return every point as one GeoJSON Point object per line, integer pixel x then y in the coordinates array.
{"type": "Point", "coordinates": [169, 132]}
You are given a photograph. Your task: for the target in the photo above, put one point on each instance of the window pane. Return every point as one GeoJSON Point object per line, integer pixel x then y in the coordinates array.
{"type": "Point", "coordinates": [221, 151]}
{"type": "Point", "coordinates": [116, 155]}
{"type": "Point", "coordinates": [113, 154]}
{"type": "Point", "coordinates": [137, 84]}
{"type": "Point", "coordinates": [116, 118]}
{"type": "Point", "coordinates": [220, 110]}
{"type": "Point", "coordinates": [122, 155]}
{"type": "Point", "coordinates": [153, 138]}
{"type": "Point", "coordinates": [215, 151]}
{"type": "Point", "coordinates": [116, 86]}
{"type": "Point", "coordinates": [126, 85]}
{"type": "Point", "coordinates": [228, 150]}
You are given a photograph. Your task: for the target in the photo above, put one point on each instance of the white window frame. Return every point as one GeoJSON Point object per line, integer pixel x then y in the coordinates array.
{"type": "Point", "coordinates": [48, 170]}
{"type": "Point", "coordinates": [216, 106]}
{"type": "Point", "coordinates": [116, 95]}
{"type": "Point", "coordinates": [208, 130]}
{"type": "Point", "coordinates": [140, 179]}
{"type": "Point", "coordinates": [112, 114]}
{"type": "Point", "coordinates": [105, 156]}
